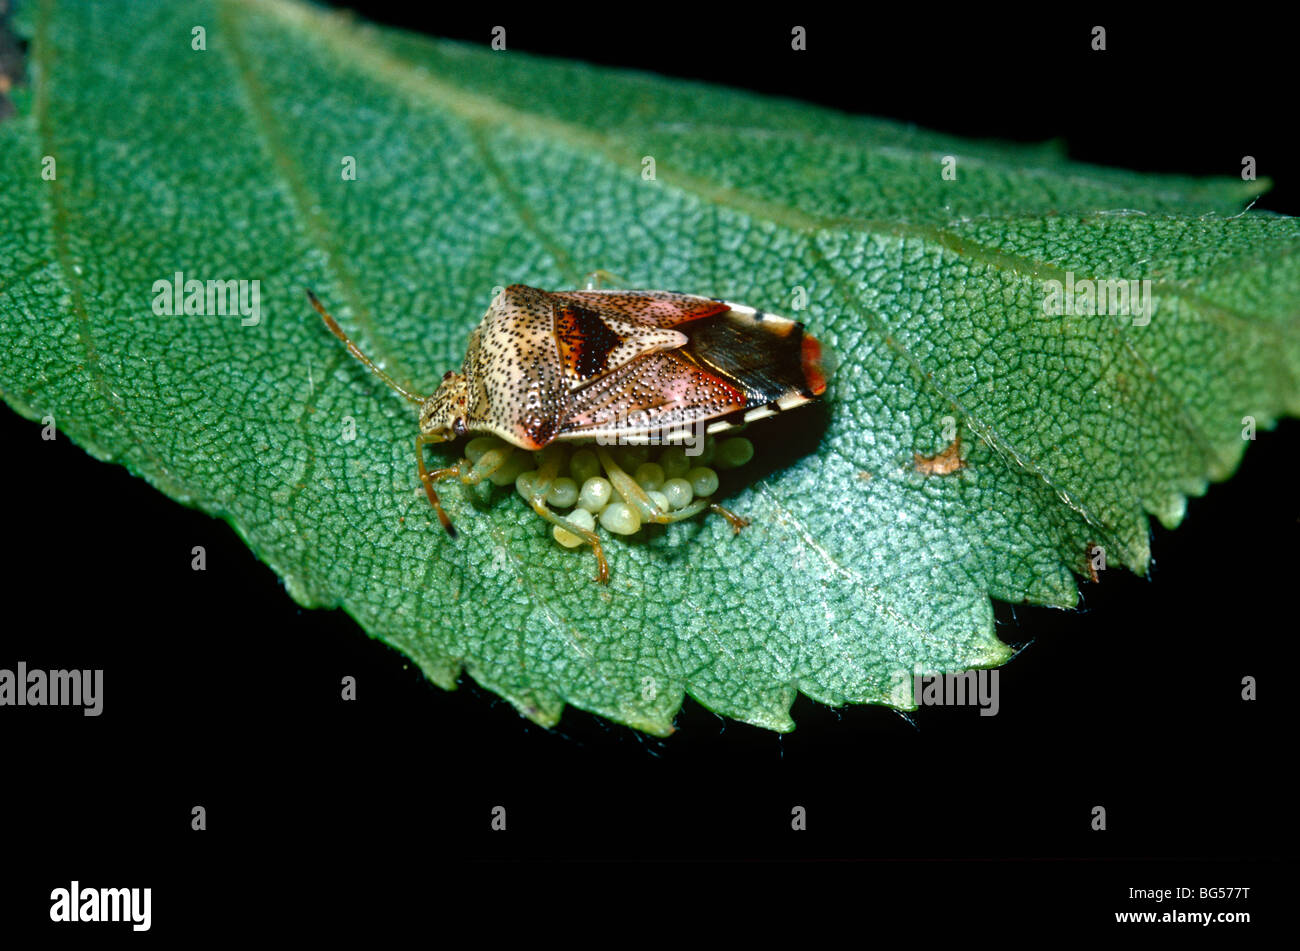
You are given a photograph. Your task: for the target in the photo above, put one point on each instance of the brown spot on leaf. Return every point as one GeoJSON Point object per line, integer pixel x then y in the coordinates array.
{"type": "Point", "coordinates": [945, 463]}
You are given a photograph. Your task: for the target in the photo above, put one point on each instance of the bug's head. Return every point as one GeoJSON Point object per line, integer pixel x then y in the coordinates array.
{"type": "Point", "coordinates": [442, 415]}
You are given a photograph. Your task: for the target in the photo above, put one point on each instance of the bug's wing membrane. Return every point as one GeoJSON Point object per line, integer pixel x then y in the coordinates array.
{"type": "Point", "coordinates": [770, 359]}
{"type": "Point", "coordinates": [660, 392]}
{"type": "Point", "coordinates": [653, 308]}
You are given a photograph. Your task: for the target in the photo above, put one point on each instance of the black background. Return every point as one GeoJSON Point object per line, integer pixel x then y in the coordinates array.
{"type": "Point", "coordinates": [220, 691]}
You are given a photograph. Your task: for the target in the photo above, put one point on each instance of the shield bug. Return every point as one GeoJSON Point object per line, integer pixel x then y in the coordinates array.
{"type": "Point", "coordinates": [607, 367]}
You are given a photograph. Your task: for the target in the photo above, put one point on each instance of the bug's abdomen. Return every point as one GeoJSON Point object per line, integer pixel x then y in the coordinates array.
{"type": "Point", "coordinates": [766, 358]}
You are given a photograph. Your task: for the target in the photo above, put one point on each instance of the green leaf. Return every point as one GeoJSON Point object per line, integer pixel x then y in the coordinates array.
{"type": "Point", "coordinates": [476, 169]}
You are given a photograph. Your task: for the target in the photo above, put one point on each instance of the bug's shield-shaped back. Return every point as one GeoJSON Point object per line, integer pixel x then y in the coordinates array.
{"type": "Point", "coordinates": [592, 344]}
{"type": "Point", "coordinates": [539, 359]}
{"type": "Point", "coordinates": [646, 381]}
{"type": "Point", "coordinates": [590, 364]}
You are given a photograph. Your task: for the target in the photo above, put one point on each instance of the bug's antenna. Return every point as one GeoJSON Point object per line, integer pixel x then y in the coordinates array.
{"type": "Point", "coordinates": [352, 349]}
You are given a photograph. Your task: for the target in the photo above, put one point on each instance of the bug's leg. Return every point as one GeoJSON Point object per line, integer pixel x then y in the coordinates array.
{"type": "Point", "coordinates": [600, 276]}
{"type": "Point", "coordinates": [737, 522]}
{"type": "Point", "coordinates": [636, 496]}
{"type": "Point", "coordinates": [602, 566]}
{"type": "Point", "coordinates": [698, 506]}
{"type": "Point", "coordinates": [487, 464]}
{"type": "Point", "coordinates": [427, 479]}
{"type": "Point", "coordinates": [632, 493]}
{"type": "Point", "coordinates": [473, 473]}
{"type": "Point", "coordinates": [553, 458]}
{"type": "Point", "coordinates": [468, 474]}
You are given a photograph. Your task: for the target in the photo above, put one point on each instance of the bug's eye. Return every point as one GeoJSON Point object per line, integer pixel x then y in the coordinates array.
{"type": "Point", "coordinates": [446, 376]}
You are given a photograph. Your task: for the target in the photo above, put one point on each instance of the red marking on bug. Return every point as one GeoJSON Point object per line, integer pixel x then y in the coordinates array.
{"type": "Point", "coordinates": [680, 391]}
{"type": "Point", "coordinates": [672, 312]}
{"type": "Point", "coordinates": [585, 340]}
{"type": "Point", "coordinates": [536, 430]}
{"type": "Point", "coordinates": [812, 365]}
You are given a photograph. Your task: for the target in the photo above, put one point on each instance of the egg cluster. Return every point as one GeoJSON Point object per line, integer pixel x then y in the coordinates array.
{"type": "Point", "coordinates": [669, 476]}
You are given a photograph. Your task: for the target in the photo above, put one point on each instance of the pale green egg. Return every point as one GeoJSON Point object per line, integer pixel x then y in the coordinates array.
{"type": "Point", "coordinates": [517, 464]}
{"type": "Point", "coordinates": [563, 493]}
{"type": "Point", "coordinates": [678, 492]}
{"type": "Point", "coordinates": [582, 519]}
{"type": "Point", "coordinates": [596, 494]}
{"type": "Point", "coordinates": [674, 462]}
{"type": "Point", "coordinates": [620, 518]}
{"type": "Point", "coordinates": [476, 447]}
{"type": "Point", "coordinates": [584, 465]}
{"type": "Point", "coordinates": [524, 485]}
{"type": "Point", "coordinates": [733, 453]}
{"type": "Point", "coordinates": [649, 475]}
{"type": "Point", "coordinates": [703, 480]}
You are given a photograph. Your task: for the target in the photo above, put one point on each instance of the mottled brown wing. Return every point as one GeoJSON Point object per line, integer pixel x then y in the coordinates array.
{"type": "Point", "coordinates": [592, 343]}
{"type": "Point", "coordinates": [658, 391]}
{"type": "Point", "coordinates": [656, 308]}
